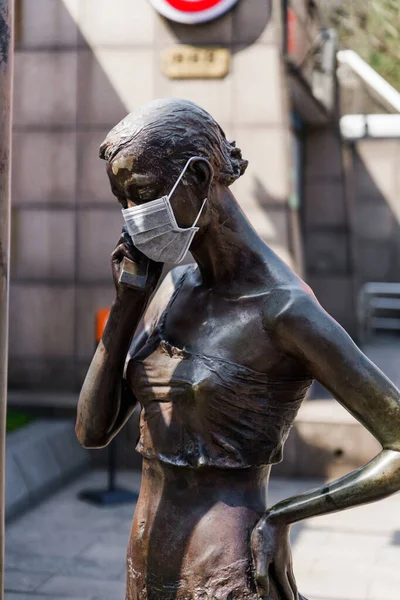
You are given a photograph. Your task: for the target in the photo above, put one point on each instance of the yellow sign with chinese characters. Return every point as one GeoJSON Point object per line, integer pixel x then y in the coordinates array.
{"type": "Point", "coordinates": [191, 62]}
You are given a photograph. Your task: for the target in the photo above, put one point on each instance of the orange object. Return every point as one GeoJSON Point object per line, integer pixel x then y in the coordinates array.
{"type": "Point", "coordinates": [292, 30]}
{"type": "Point", "coordinates": [101, 321]}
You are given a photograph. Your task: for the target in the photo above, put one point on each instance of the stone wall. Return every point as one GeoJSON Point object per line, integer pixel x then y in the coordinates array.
{"type": "Point", "coordinates": [374, 183]}
{"type": "Point", "coordinates": [80, 66]}
{"type": "Point", "coordinates": [326, 226]}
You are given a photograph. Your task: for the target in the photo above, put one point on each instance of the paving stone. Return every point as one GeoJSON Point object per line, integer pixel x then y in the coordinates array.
{"type": "Point", "coordinates": [104, 590]}
{"type": "Point", "coordinates": [48, 543]}
{"type": "Point", "coordinates": [20, 581]}
{"type": "Point", "coordinates": [384, 583]}
{"type": "Point", "coordinates": [81, 566]}
{"type": "Point", "coordinates": [333, 583]}
{"type": "Point", "coordinates": [32, 563]}
{"type": "Point", "coordinates": [103, 551]}
{"type": "Point", "coordinates": [17, 493]}
{"type": "Point", "coordinates": [13, 596]}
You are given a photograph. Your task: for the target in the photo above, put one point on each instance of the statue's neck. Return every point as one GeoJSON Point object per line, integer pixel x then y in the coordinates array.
{"type": "Point", "coordinates": [229, 252]}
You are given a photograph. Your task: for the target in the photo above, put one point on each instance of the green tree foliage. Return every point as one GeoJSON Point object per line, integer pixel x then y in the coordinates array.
{"type": "Point", "coordinates": [372, 29]}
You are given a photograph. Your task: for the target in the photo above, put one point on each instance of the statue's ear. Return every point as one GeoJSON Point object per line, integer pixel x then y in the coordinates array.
{"type": "Point", "coordinates": [202, 171]}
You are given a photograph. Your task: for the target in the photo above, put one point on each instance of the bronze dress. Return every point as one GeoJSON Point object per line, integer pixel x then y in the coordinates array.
{"type": "Point", "coordinates": [203, 411]}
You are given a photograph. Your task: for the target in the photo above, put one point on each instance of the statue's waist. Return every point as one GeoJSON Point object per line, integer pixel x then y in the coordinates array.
{"type": "Point", "coordinates": [189, 492]}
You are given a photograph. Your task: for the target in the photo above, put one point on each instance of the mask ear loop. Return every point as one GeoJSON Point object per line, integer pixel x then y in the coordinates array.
{"type": "Point", "coordinates": [185, 168]}
{"type": "Point", "coordinates": [201, 210]}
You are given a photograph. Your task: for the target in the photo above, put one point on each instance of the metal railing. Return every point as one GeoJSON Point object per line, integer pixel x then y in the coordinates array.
{"type": "Point", "coordinates": [378, 308]}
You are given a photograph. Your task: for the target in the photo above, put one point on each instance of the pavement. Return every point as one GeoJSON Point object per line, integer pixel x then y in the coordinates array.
{"type": "Point", "coordinates": [66, 549]}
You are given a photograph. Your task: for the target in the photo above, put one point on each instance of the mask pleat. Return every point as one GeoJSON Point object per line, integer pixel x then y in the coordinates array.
{"type": "Point", "coordinates": [145, 236]}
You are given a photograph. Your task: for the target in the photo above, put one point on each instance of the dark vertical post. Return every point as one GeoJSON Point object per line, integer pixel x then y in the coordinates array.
{"type": "Point", "coordinates": [6, 64]}
{"type": "Point", "coordinates": [285, 33]}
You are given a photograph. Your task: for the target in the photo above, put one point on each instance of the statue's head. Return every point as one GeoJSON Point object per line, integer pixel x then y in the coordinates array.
{"type": "Point", "coordinates": [147, 151]}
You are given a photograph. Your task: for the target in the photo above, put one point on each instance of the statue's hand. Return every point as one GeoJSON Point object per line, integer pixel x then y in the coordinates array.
{"type": "Point", "coordinates": [126, 249]}
{"type": "Point", "coordinates": [272, 558]}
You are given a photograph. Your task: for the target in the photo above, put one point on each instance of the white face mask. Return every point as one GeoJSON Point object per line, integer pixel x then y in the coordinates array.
{"type": "Point", "coordinates": [154, 230]}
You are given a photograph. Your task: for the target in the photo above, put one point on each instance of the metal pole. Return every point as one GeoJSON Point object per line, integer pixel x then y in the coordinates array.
{"type": "Point", "coordinates": [6, 64]}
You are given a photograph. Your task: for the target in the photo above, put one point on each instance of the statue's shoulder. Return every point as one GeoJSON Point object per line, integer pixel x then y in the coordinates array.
{"type": "Point", "coordinates": [288, 302]}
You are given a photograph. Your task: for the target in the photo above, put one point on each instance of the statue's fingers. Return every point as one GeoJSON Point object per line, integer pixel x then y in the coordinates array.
{"type": "Point", "coordinates": [262, 576]}
{"type": "Point", "coordinates": [284, 584]}
{"type": "Point", "coordinates": [262, 584]}
{"type": "Point", "coordinates": [120, 253]}
{"type": "Point", "coordinates": [293, 583]}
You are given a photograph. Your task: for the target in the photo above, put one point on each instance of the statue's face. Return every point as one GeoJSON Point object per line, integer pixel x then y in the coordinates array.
{"type": "Point", "coordinates": [136, 180]}
{"type": "Point", "coordinates": [132, 182]}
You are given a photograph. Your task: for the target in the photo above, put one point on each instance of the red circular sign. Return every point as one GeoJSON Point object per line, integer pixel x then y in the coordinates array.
{"type": "Point", "coordinates": [192, 5]}
{"type": "Point", "coordinates": [193, 11]}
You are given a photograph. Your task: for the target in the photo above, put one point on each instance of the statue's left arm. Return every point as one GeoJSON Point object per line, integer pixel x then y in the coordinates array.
{"type": "Point", "coordinates": [303, 329]}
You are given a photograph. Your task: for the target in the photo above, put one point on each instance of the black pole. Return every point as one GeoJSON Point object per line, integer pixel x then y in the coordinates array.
{"type": "Point", "coordinates": [285, 32]}
{"type": "Point", "coordinates": [6, 67]}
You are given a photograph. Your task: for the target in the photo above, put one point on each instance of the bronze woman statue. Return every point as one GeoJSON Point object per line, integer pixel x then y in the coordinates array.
{"type": "Point", "coordinates": [220, 360]}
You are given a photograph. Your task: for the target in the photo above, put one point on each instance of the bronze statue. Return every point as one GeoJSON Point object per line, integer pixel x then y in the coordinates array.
{"type": "Point", "coordinates": [220, 362]}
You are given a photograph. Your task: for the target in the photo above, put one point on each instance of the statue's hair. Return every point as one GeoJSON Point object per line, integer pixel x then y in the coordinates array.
{"type": "Point", "coordinates": [173, 130]}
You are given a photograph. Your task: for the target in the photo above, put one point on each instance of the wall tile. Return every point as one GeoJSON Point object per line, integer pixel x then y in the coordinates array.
{"type": "Point", "coordinates": [374, 221]}
{"type": "Point", "coordinates": [327, 251]}
{"type": "Point", "coordinates": [44, 168]}
{"type": "Point", "coordinates": [120, 23]}
{"type": "Point", "coordinates": [324, 155]}
{"type": "Point", "coordinates": [284, 254]}
{"type": "Point", "coordinates": [376, 261]}
{"type": "Point", "coordinates": [214, 95]}
{"type": "Point", "coordinates": [266, 179]}
{"type": "Point", "coordinates": [336, 294]}
{"type": "Point", "coordinates": [44, 373]}
{"type": "Point", "coordinates": [253, 20]}
{"type": "Point", "coordinates": [45, 88]}
{"type": "Point", "coordinates": [46, 23]}
{"type": "Point", "coordinates": [41, 321]}
{"type": "Point", "coordinates": [93, 183]}
{"type": "Point", "coordinates": [271, 224]}
{"type": "Point", "coordinates": [377, 167]}
{"type": "Point", "coordinates": [112, 83]}
{"type": "Point", "coordinates": [257, 91]}
{"type": "Point", "coordinates": [324, 203]}
{"type": "Point", "coordinates": [98, 234]}
{"type": "Point", "coordinates": [43, 244]}
{"type": "Point", "coordinates": [217, 32]}
{"type": "Point", "coordinates": [88, 301]}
